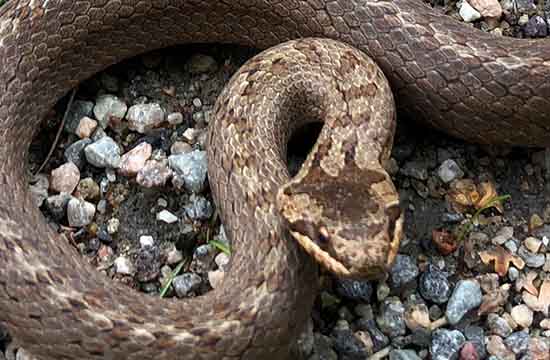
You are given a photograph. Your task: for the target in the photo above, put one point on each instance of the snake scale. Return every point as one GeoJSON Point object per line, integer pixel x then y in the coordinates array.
{"type": "Point", "coordinates": [470, 84]}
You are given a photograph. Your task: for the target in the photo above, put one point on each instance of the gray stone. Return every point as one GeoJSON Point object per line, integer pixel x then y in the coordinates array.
{"type": "Point", "coordinates": [80, 212]}
{"type": "Point", "coordinates": [198, 208]}
{"type": "Point", "coordinates": [416, 170]}
{"type": "Point", "coordinates": [79, 109]}
{"type": "Point", "coordinates": [186, 283]}
{"type": "Point", "coordinates": [404, 355]}
{"type": "Point", "coordinates": [109, 109]}
{"type": "Point", "coordinates": [144, 117]}
{"type": "Point", "coordinates": [391, 318]}
{"type": "Point", "coordinates": [498, 325]}
{"type": "Point", "coordinates": [465, 297]}
{"type": "Point", "coordinates": [154, 174]}
{"type": "Point", "coordinates": [531, 259]}
{"type": "Point", "coordinates": [124, 266]}
{"type": "Point", "coordinates": [346, 344]}
{"type": "Point", "coordinates": [476, 336]}
{"type": "Point", "coordinates": [434, 285]}
{"type": "Point", "coordinates": [191, 168]}
{"type": "Point", "coordinates": [536, 27]}
{"type": "Point", "coordinates": [104, 153]}
{"type": "Point", "coordinates": [404, 270]}
{"type": "Point", "coordinates": [518, 342]}
{"type": "Point", "coordinates": [468, 13]}
{"type": "Point", "coordinates": [75, 152]}
{"type": "Point", "coordinates": [446, 344]}
{"type": "Point", "coordinates": [354, 289]}
{"type": "Point", "coordinates": [449, 171]}
{"type": "Point", "coordinates": [57, 205]}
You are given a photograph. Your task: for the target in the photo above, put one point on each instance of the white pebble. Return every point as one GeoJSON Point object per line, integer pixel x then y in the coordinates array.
{"type": "Point", "coordinates": [167, 217]}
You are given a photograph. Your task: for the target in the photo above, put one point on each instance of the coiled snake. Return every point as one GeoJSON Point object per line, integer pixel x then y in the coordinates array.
{"type": "Point", "coordinates": [469, 84]}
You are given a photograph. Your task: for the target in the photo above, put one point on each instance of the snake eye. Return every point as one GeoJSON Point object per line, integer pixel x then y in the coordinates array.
{"type": "Point", "coordinates": [323, 235]}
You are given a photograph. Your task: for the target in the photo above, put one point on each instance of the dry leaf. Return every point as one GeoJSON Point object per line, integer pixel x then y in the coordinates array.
{"type": "Point", "coordinates": [502, 259]}
{"type": "Point", "coordinates": [525, 281]}
{"type": "Point", "coordinates": [542, 302]}
{"type": "Point", "coordinates": [488, 193]}
{"type": "Point", "coordinates": [445, 241]}
{"type": "Point", "coordinates": [464, 193]}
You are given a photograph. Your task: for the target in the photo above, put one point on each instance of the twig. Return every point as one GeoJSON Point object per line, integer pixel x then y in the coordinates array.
{"type": "Point", "coordinates": [54, 145]}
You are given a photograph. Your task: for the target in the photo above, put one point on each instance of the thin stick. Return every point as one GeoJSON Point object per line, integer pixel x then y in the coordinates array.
{"type": "Point", "coordinates": [58, 135]}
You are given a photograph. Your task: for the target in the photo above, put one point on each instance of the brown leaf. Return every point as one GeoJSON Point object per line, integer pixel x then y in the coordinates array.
{"type": "Point", "coordinates": [445, 241]}
{"type": "Point", "coordinates": [463, 194]}
{"type": "Point", "coordinates": [502, 259]}
{"type": "Point", "coordinates": [489, 192]}
{"type": "Point", "coordinates": [525, 281]}
{"type": "Point", "coordinates": [542, 302]}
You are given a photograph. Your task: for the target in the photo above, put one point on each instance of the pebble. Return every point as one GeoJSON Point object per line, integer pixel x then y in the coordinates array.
{"type": "Point", "coordinates": [124, 266]}
{"type": "Point", "coordinates": [103, 153]}
{"type": "Point", "coordinates": [64, 179]}
{"type": "Point", "coordinates": [498, 325]}
{"type": "Point", "coordinates": [112, 225]}
{"type": "Point", "coordinates": [39, 190]}
{"type": "Point", "coordinates": [154, 174]}
{"type": "Point", "coordinates": [191, 168]}
{"type": "Point", "coordinates": [167, 217]}
{"type": "Point", "coordinates": [415, 170]}
{"type": "Point", "coordinates": [404, 355]}
{"type": "Point", "coordinates": [180, 147]}
{"type": "Point", "coordinates": [215, 278]}
{"type": "Point", "coordinates": [175, 118]}
{"type": "Point", "coordinates": [200, 64]}
{"type": "Point", "coordinates": [346, 344]}
{"type": "Point", "coordinates": [222, 260]}
{"type": "Point", "coordinates": [524, 6]}
{"type": "Point", "coordinates": [146, 240]}
{"type": "Point", "coordinates": [465, 297]}
{"type": "Point", "coordinates": [497, 348]}
{"type": "Point", "coordinates": [536, 27]}
{"type": "Point", "coordinates": [378, 338]}
{"type": "Point", "coordinates": [88, 189]}
{"type": "Point", "coordinates": [476, 336]}
{"type": "Point", "coordinates": [487, 8]}
{"type": "Point", "coordinates": [198, 208]}
{"type": "Point", "coordinates": [518, 342]}
{"type": "Point", "coordinates": [468, 13]}
{"type": "Point", "coordinates": [523, 20]}
{"type": "Point", "coordinates": [322, 348]}
{"type": "Point", "coordinates": [391, 320]}
{"type": "Point", "coordinates": [522, 315]}
{"type": "Point", "coordinates": [134, 160]}
{"type": "Point", "coordinates": [174, 256]}
{"type": "Point", "coordinates": [354, 289]}
{"type": "Point", "coordinates": [532, 260]}
{"type": "Point", "coordinates": [503, 235]}
{"type": "Point", "coordinates": [404, 271]}
{"type": "Point", "coordinates": [532, 244]}
{"type": "Point", "coordinates": [186, 283]}
{"type": "Point", "coordinates": [434, 285]}
{"type": "Point", "coordinates": [80, 212]}
{"type": "Point", "coordinates": [78, 110]}
{"type": "Point", "coordinates": [144, 117]}
{"type": "Point", "coordinates": [449, 171]}
{"type": "Point", "coordinates": [446, 344]}
{"type": "Point", "coordinates": [86, 127]}
{"type": "Point", "coordinates": [57, 205]}
{"type": "Point", "coordinates": [75, 152]}
{"type": "Point", "coordinates": [109, 110]}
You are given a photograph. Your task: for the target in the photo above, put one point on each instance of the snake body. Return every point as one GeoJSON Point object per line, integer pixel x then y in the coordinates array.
{"type": "Point", "coordinates": [469, 84]}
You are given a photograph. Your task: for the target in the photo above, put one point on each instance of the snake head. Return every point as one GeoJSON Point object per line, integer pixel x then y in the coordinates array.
{"type": "Point", "coordinates": [351, 224]}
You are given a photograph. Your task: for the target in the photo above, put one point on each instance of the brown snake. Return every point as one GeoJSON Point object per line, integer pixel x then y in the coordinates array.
{"type": "Point", "coordinates": [467, 83]}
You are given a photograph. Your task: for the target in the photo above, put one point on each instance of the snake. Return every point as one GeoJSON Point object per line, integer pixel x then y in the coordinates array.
{"type": "Point", "coordinates": [349, 64]}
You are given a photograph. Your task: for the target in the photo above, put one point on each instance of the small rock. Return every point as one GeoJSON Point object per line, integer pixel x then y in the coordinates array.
{"type": "Point", "coordinates": [75, 152]}
{"type": "Point", "coordinates": [404, 355]}
{"type": "Point", "coordinates": [322, 348]}
{"type": "Point", "coordinates": [200, 64]}
{"type": "Point", "coordinates": [522, 315]}
{"type": "Point", "coordinates": [134, 160]}
{"type": "Point", "coordinates": [174, 256]}
{"type": "Point", "coordinates": [465, 297]}
{"type": "Point", "coordinates": [523, 20]}
{"type": "Point", "coordinates": [186, 283]}
{"type": "Point", "coordinates": [112, 225]}
{"type": "Point", "coordinates": [415, 170]}
{"type": "Point", "coordinates": [496, 347]}
{"type": "Point", "coordinates": [347, 344]}
{"type": "Point", "coordinates": [222, 260]}
{"type": "Point", "coordinates": [518, 342]}
{"type": "Point", "coordinates": [65, 178]}
{"type": "Point", "coordinates": [487, 8]}
{"type": "Point", "coordinates": [124, 266]}
{"type": "Point", "coordinates": [88, 189]}
{"type": "Point", "coordinates": [146, 240]}
{"type": "Point", "coordinates": [103, 153]}
{"type": "Point", "coordinates": [449, 171]}
{"type": "Point", "coordinates": [354, 289]}
{"type": "Point", "coordinates": [468, 352]}
{"type": "Point", "coordinates": [391, 318]}
{"type": "Point", "coordinates": [446, 344]}
{"type": "Point", "coordinates": [86, 127]}
{"type": "Point", "coordinates": [476, 336]}
{"type": "Point", "coordinates": [524, 6]}
{"type": "Point", "coordinates": [404, 271]}
{"type": "Point", "coordinates": [215, 278]}
{"type": "Point", "coordinates": [198, 208]}
{"type": "Point", "coordinates": [498, 325]}
{"type": "Point", "coordinates": [109, 110]}
{"type": "Point", "coordinates": [79, 109]}
{"type": "Point", "coordinates": [39, 189]}
{"type": "Point", "coordinates": [535, 222]}
{"type": "Point", "coordinates": [175, 118]}
{"type": "Point", "coordinates": [532, 260]}
{"type": "Point", "coordinates": [192, 168]}
{"type": "Point", "coordinates": [154, 174]}
{"type": "Point", "coordinates": [180, 147]}
{"type": "Point", "coordinates": [57, 205]}
{"type": "Point", "coordinates": [167, 217]}
{"type": "Point", "coordinates": [536, 27]}
{"type": "Point", "coordinates": [434, 286]}
{"type": "Point", "coordinates": [468, 13]}
{"type": "Point", "coordinates": [144, 117]}
{"type": "Point", "coordinates": [503, 235]}
{"type": "Point", "coordinates": [532, 244]}
{"type": "Point", "coordinates": [80, 212]}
